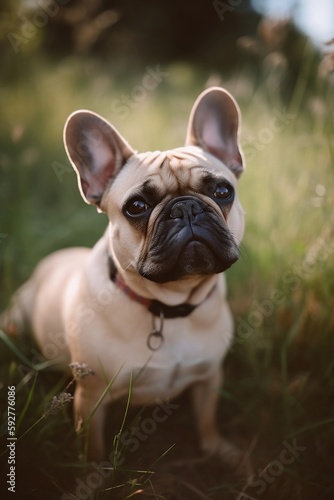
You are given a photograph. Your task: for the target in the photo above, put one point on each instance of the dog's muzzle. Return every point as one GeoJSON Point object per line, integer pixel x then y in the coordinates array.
{"type": "Point", "coordinates": [189, 238]}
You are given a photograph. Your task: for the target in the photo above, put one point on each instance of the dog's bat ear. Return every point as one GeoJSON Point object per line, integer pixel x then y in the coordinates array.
{"type": "Point", "coordinates": [213, 126]}
{"type": "Point", "coordinates": [97, 152]}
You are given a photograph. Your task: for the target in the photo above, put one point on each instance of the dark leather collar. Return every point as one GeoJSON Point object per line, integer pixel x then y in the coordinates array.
{"type": "Point", "coordinates": [156, 307]}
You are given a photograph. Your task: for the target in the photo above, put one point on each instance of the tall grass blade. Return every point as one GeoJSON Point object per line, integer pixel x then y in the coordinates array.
{"type": "Point", "coordinates": [27, 404]}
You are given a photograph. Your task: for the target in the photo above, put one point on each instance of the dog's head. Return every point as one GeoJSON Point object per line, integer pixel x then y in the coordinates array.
{"type": "Point", "coordinates": [173, 214]}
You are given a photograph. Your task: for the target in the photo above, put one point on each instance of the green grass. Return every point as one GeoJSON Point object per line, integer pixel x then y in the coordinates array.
{"type": "Point", "coordinates": [279, 374]}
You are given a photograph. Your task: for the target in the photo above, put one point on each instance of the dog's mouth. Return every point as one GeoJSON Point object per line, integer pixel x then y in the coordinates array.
{"type": "Point", "coordinates": [196, 243]}
{"type": "Point", "coordinates": [195, 257]}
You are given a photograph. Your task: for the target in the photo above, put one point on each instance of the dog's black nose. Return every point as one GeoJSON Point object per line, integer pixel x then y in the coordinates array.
{"type": "Point", "coordinates": [185, 209]}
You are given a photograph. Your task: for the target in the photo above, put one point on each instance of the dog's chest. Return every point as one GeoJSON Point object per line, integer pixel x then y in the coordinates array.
{"type": "Point", "coordinates": [188, 354]}
{"type": "Point", "coordinates": [164, 382]}
{"type": "Point", "coordinates": [172, 369]}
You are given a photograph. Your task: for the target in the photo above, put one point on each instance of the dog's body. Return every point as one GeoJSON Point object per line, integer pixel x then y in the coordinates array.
{"type": "Point", "coordinates": [175, 226]}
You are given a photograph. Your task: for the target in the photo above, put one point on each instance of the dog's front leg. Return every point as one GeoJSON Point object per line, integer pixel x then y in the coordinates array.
{"type": "Point", "coordinates": [205, 398]}
{"type": "Point", "coordinates": [86, 398]}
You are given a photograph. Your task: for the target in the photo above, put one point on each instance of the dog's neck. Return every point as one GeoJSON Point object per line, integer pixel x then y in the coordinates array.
{"type": "Point", "coordinates": [190, 290]}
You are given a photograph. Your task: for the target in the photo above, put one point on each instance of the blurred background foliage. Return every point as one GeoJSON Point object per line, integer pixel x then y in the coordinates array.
{"type": "Point", "coordinates": [60, 55]}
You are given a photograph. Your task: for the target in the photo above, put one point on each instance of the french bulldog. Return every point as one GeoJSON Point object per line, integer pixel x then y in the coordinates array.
{"type": "Point", "coordinates": [148, 301]}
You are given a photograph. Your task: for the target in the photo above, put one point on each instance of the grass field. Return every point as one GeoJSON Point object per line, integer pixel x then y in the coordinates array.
{"type": "Point", "coordinates": [277, 400]}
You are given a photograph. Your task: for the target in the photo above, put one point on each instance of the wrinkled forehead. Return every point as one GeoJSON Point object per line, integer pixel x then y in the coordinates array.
{"type": "Point", "coordinates": [178, 169]}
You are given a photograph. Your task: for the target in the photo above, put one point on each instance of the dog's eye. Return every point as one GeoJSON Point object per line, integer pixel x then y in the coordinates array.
{"type": "Point", "coordinates": [224, 192]}
{"type": "Point", "coordinates": [136, 206]}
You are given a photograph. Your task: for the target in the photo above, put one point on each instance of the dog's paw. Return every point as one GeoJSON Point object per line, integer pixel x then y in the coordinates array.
{"type": "Point", "coordinates": [230, 455]}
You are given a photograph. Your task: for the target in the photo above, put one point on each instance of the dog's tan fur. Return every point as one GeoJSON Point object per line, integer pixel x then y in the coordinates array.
{"type": "Point", "coordinates": [71, 302]}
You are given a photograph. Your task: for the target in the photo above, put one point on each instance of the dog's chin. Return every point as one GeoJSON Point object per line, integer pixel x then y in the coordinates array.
{"type": "Point", "coordinates": [195, 259]}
